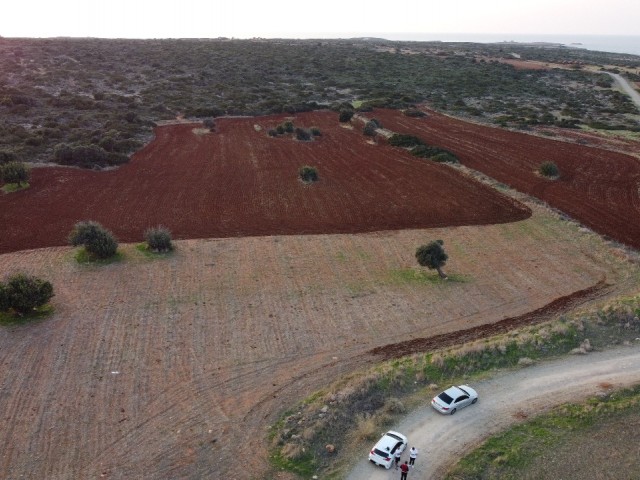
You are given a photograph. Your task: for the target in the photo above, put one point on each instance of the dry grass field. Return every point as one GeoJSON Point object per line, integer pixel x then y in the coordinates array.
{"type": "Point", "coordinates": [174, 367]}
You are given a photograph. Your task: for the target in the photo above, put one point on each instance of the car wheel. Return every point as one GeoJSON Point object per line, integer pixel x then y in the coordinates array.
{"type": "Point", "coordinates": [453, 411]}
{"type": "Point", "coordinates": [474, 400]}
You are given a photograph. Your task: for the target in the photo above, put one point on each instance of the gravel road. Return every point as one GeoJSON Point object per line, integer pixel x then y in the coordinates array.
{"type": "Point", "coordinates": [506, 398]}
{"type": "Point", "coordinates": [626, 86]}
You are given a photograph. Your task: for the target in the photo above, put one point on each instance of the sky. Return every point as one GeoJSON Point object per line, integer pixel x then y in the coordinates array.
{"type": "Point", "coordinates": [313, 19]}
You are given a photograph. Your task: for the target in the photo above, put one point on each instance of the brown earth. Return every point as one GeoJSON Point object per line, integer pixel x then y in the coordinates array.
{"type": "Point", "coordinates": [175, 367]}
{"type": "Point", "coordinates": [239, 181]}
{"type": "Point", "coordinates": [597, 187]}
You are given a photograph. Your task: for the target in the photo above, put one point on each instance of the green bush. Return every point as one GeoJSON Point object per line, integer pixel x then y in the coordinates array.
{"type": "Point", "coordinates": [549, 169]}
{"type": "Point", "coordinates": [6, 157]}
{"type": "Point", "coordinates": [24, 293]}
{"type": "Point", "coordinates": [14, 172]}
{"type": "Point", "coordinates": [97, 241]}
{"type": "Point", "coordinates": [445, 157]}
{"type": "Point", "coordinates": [308, 174]}
{"type": "Point", "coordinates": [402, 140]}
{"type": "Point", "coordinates": [158, 239]}
{"type": "Point", "coordinates": [315, 131]}
{"type": "Point", "coordinates": [288, 127]}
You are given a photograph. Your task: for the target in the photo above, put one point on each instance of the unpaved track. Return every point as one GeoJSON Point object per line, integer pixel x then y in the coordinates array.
{"type": "Point", "coordinates": [628, 89]}
{"type": "Point", "coordinates": [505, 399]}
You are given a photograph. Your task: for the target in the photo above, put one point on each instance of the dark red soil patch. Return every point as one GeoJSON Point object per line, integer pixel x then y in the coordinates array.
{"type": "Point", "coordinates": [598, 187]}
{"type": "Point", "coordinates": [239, 181]}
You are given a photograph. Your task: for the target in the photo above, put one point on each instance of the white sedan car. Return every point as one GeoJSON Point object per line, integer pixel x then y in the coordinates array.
{"type": "Point", "coordinates": [454, 398]}
{"type": "Point", "coordinates": [383, 452]}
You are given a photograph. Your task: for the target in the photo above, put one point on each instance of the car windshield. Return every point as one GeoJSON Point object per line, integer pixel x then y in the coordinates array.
{"type": "Point", "coordinates": [464, 390]}
{"type": "Point", "coordinates": [394, 436]}
{"type": "Point", "coordinates": [445, 398]}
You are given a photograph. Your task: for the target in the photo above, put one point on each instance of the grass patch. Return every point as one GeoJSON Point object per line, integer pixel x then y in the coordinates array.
{"type": "Point", "coordinates": [83, 257]}
{"type": "Point", "coordinates": [149, 253]}
{"type": "Point", "coordinates": [14, 187]}
{"type": "Point", "coordinates": [507, 454]}
{"type": "Point", "coordinates": [8, 319]}
{"type": "Point", "coordinates": [421, 277]}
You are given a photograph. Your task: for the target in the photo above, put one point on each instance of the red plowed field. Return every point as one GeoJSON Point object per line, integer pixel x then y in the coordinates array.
{"type": "Point", "coordinates": [598, 187]}
{"type": "Point", "coordinates": [239, 181]}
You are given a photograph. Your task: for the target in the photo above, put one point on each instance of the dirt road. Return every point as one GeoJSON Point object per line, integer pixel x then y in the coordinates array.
{"type": "Point", "coordinates": [628, 89]}
{"type": "Point", "coordinates": [505, 399]}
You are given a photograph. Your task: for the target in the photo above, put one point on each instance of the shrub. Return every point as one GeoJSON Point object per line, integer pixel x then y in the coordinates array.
{"type": "Point", "coordinates": [97, 241]}
{"type": "Point", "coordinates": [315, 131]}
{"type": "Point", "coordinates": [402, 140]}
{"type": "Point", "coordinates": [288, 127]}
{"type": "Point", "coordinates": [302, 134]}
{"type": "Point", "coordinates": [210, 124]}
{"type": "Point", "coordinates": [280, 130]}
{"type": "Point", "coordinates": [14, 172]}
{"type": "Point", "coordinates": [24, 293]}
{"type": "Point", "coordinates": [445, 157]}
{"type": "Point", "coordinates": [159, 239]}
{"type": "Point", "coordinates": [6, 157]}
{"type": "Point", "coordinates": [370, 128]}
{"type": "Point", "coordinates": [345, 116]}
{"type": "Point", "coordinates": [308, 174]}
{"type": "Point", "coordinates": [549, 169]}
{"type": "Point", "coordinates": [414, 112]}
{"type": "Point", "coordinates": [272, 132]}
{"type": "Point", "coordinates": [63, 153]}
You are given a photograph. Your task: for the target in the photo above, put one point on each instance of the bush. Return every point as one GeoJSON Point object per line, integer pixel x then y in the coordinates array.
{"type": "Point", "coordinates": [370, 128]}
{"type": "Point", "coordinates": [6, 157]}
{"type": "Point", "coordinates": [272, 132]}
{"type": "Point", "coordinates": [210, 124]}
{"type": "Point", "coordinates": [288, 127]}
{"type": "Point", "coordinates": [97, 241]}
{"type": "Point", "coordinates": [308, 174]}
{"type": "Point", "coordinates": [549, 169]}
{"type": "Point", "coordinates": [303, 135]}
{"type": "Point", "coordinates": [159, 239]}
{"type": "Point", "coordinates": [315, 131]}
{"type": "Point", "coordinates": [24, 293]}
{"type": "Point", "coordinates": [345, 116]}
{"type": "Point", "coordinates": [402, 140]}
{"type": "Point", "coordinates": [445, 157]}
{"type": "Point", "coordinates": [414, 112]}
{"type": "Point", "coordinates": [14, 172]}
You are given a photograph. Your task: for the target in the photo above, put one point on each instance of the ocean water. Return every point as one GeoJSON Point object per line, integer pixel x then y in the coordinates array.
{"type": "Point", "coordinates": [603, 43]}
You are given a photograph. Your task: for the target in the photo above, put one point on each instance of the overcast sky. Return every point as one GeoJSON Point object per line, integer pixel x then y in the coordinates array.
{"type": "Point", "coordinates": [309, 18]}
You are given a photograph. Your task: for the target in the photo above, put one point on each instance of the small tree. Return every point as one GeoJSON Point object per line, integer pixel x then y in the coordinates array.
{"type": "Point", "coordinates": [159, 239]}
{"type": "Point", "coordinates": [345, 116]}
{"type": "Point", "coordinates": [97, 241]}
{"type": "Point", "coordinates": [549, 169]}
{"type": "Point", "coordinates": [24, 293]}
{"type": "Point", "coordinates": [14, 172]}
{"type": "Point", "coordinates": [302, 134]}
{"type": "Point", "coordinates": [433, 256]}
{"type": "Point", "coordinates": [370, 128]}
{"type": "Point", "coordinates": [308, 174]}
{"type": "Point", "coordinates": [210, 124]}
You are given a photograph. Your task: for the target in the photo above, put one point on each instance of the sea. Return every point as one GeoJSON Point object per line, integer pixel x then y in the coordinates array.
{"type": "Point", "coordinates": [602, 43]}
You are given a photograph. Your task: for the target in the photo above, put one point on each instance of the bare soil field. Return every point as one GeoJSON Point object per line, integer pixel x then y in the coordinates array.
{"type": "Point", "coordinates": [175, 367]}
{"type": "Point", "coordinates": [239, 181]}
{"type": "Point", "coordinates": [598, 187]}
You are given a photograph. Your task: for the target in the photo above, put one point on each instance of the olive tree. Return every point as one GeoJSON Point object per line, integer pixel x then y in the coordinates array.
{"type": "Point", "coordinates": [23, 293]}
{"type": "Point", "coordinates": [14, 172]}
{"type": "Point", "coordinates": [433, 256]}
{"type": "Point", "coordinates": [97, 241]}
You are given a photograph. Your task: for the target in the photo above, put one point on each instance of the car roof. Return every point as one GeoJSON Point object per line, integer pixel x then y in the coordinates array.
{"type": "Point", "coordinates": [390, 439]}
{"type": "Point", "coordinates": [454, 392]}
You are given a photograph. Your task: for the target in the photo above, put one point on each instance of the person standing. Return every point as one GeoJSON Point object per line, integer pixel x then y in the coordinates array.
{"type": "Point", "coordinates": [398, 455]}
{"type": "Point", "coordinates": [404, 470]}
{"type": "Point", "coordinates": [413, 454]}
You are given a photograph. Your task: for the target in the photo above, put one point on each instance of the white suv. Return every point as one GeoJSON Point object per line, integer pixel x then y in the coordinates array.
{"type": "Point", "coordinates": [383, 452]}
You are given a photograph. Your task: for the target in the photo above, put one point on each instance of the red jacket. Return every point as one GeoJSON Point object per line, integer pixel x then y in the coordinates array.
{"type": "Point", "coordinates": [404, 467]}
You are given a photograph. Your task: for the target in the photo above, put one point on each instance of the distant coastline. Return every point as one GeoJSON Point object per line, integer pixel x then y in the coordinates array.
{"type": "Point", "coordinates": [604, 43]}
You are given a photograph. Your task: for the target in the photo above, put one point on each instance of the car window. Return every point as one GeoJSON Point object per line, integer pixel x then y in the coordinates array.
{"type": "Point", "coordinates": [461, 398]}
{"type": "Point", "coordinates": [381, 453]}
{"type": "Point", "coordinates": [445, 398]}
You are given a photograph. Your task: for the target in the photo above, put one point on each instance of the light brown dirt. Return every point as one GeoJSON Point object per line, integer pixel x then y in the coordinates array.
{"type": "Point", "coordinates": [175, 367]}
